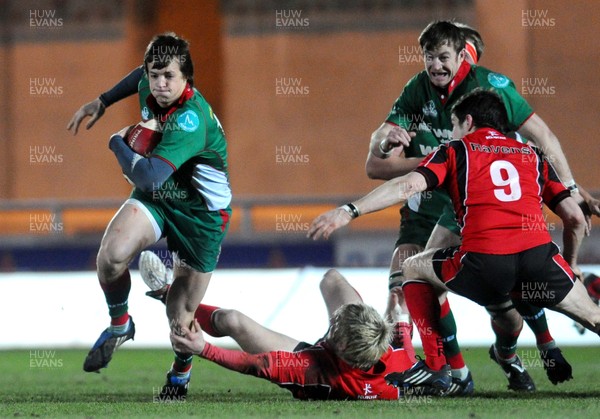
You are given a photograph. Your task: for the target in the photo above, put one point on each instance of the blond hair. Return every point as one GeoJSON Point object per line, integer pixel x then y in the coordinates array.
{"type": "Point", "coordinates": [359, 335]}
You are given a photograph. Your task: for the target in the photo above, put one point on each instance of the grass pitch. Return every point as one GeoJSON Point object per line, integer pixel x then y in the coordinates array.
{"type": "Point", "coordinates": [51, 383]}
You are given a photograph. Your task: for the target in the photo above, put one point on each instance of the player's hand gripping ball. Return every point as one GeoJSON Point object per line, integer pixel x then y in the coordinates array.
{"type": "Point", "coordinates": [144, 137]}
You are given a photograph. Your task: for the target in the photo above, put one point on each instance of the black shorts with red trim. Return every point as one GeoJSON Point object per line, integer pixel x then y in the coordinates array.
{"type": "Point", "coordinates": [539, 276]}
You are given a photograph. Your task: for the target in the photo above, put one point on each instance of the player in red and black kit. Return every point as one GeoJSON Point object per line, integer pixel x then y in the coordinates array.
{"type": "Point", "coordinates": [349, 363]}
{"type": "Point", "coordinates": [497, 185]}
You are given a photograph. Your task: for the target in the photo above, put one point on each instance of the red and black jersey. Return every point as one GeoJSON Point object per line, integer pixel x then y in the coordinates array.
{"type": "Point", "coordinates": [497, 185]}
{"type": "Point", "coordinates": [316, 373]}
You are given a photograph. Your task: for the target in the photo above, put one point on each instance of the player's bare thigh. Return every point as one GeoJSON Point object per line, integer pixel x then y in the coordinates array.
{"type": "Point", "coordinates": [127, 234]}
{"type": "Point", "coordinates": [579, 307]}
{"type": "Point", "coordinates": [420, 266]}
{"type": "Point", "coordinates": [251, 336]}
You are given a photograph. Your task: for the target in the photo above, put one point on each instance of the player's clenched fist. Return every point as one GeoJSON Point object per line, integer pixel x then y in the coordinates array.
{"type": "Point", "coordinates": [327, 223]}
{"type": "Point", "coordinates": [397, 137]}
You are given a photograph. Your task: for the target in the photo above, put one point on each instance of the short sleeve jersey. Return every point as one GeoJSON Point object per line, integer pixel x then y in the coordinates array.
{"type": "Point", "coordinates": [420, 108]}
{"type": "Point", "coordinates": [193, 144]}
{"type": "Point", "coordinates": [497, 185]}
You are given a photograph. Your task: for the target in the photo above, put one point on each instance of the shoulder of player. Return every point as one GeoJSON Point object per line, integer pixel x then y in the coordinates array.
{"type": "Point", "coordinates": [414, 90]}
{"type": "Point", "coordinates": [489, 78]}
{"type": "Point", "coordinates": [417, 81]}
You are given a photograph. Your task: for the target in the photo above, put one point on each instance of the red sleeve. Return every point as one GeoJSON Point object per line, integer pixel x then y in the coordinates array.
{"type": "Point", "coordinates": [276, 366]}
{"type": "Point", "coordinates": [257, 365]}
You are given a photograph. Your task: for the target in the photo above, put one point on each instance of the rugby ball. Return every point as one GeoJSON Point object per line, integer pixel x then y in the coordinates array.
{"type": "Point", "coordinates": [144, 137]}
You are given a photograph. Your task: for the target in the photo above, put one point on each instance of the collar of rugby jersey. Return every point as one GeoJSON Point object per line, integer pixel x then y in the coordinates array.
{"type": "Point", "coordinates": [458, 78]}
{"type": "Point", "coordinates": [163, 113]}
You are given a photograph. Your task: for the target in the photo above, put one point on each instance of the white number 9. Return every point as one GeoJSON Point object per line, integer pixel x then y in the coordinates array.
{"type": "Point", "coordinates": [504, 174]}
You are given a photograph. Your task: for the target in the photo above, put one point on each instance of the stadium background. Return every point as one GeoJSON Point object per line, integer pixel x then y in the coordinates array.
{"type": "Point", "coordinates": [299, 87]}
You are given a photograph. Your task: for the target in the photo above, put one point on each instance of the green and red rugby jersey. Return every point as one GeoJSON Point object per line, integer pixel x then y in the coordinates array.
{"type": "Point", "coordinates": [193, 144]}
{"type": "Point", "coordinates": [426, 110]}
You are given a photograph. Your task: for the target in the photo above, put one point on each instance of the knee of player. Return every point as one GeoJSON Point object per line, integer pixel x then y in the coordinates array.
{"type": "Point", "coordinates": [109, 262]}
{"type": "Point", "coordinates": [114, 254]}
{"type": "Point", "coordinates": [330, 279]}
{"type": "Point", "coordinates": [408, 268]}
{"type": "Point", "coordinates": [227, 321]}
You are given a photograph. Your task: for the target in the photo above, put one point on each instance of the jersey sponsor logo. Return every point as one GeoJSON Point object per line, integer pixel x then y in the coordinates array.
{"type": "Point", "coordinates": [443, 135]}
{"type": "Point", "coordinates": [491, 135]}
{"type": "Point", "coordinates": [368, 393]}
{"type": "Point", "coordinates": [429, 109]}
{"type": "Point", "coordinates": [499, 81]}
{"type": "Point", "coordinates": [145, 113]}
{"type": "Point", "coordinates": [426, 149]}
{"type": "Point", "coordinates": [499, 149]}
{"type": "Point", "coordinates": [188, 121]}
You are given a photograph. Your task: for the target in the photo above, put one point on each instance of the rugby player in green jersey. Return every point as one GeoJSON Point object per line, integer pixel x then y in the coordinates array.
{"type": "Point", "coordinates": [181, 192]}
{"type": "Point", "coordinates": [418, 122]}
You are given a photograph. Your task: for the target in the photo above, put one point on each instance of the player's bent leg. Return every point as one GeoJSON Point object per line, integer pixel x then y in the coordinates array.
{"type": "Point", "coordinates": [129, 231]}
{"type": "Point", "coordinates": [402, 252]}
{"type": "Point", "coordinates": [578, 306]}
{"type": "Point", "coordinates": [422, 301]}
{"type": "Point", "coordinates": [402, 324]}
{"type": "Point", "coordinates": [186, 293]}
{"type": "Point", "coordinates": [420, 266]}
{"type": "Point", "coordinates": [337, 291]}
{"type": "Point", "coordinates": [507, 325]}
{"type": "Point", "coordinates": [396, 310]}
{"type": "Point", "coordinates": [557, 368]}
{"type": "Point", "coordinates": [184, 297]}
{"type": "Point", "coordinates": [251, 336]}
{"type": "Point", "coordinates": [127, 234]}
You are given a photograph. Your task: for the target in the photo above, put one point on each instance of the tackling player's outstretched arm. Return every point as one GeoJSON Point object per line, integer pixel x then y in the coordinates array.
{"type": "Point", "coordinates": [192, 341]}
{"type": "Point", "coordinates": [390, 193]}
{"type": "Point", "coordinates": [95, 109]}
